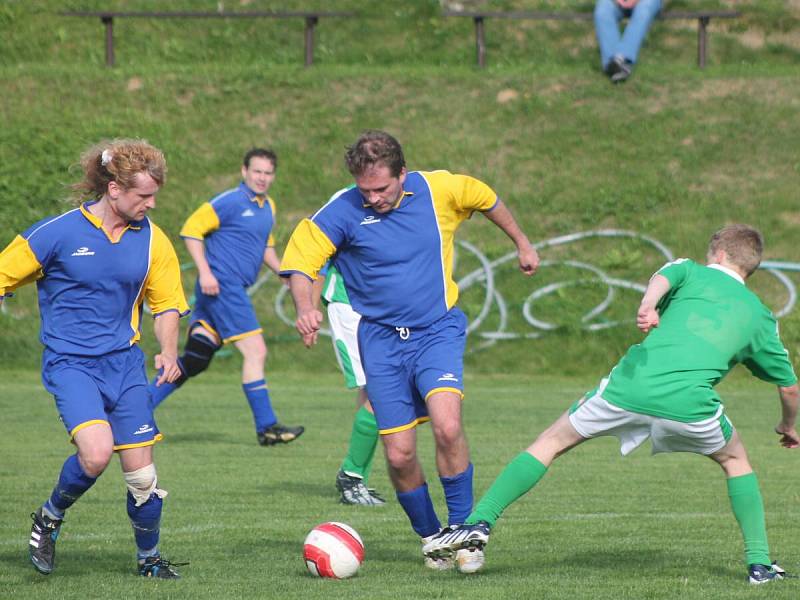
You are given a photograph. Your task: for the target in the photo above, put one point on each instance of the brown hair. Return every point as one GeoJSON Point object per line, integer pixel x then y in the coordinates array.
{"type": "Point", "coordinates": [265, 153]}
{"type": "Point", "coordinates": [118, 160]}
{"type": "Point", "coordinates": [742, 244]}
{"type": "Point", "coordinates": [375, 147]}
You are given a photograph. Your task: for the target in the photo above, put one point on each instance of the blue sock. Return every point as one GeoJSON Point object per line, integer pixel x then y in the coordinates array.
{"type": "Point", "coordinates": [72, 483]}
{"type": "Point", "coordinates": [458, 494]}
{"type": "Point", "coordinates": [258, 397]}
{"type": "Point", "coordinates": [160, 393]}
{"type": "Point", "coordinates": [146, 521]}
{"type": "Point", "coordinates": [419, 508]}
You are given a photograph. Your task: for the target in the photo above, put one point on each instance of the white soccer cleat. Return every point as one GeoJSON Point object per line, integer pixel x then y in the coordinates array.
{"type": "Point", "coordinates": [455, 538]}
{"type": "Point", "coordinates": [443, 562]}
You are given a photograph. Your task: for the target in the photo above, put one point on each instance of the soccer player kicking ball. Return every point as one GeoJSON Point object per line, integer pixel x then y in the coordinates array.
{"type": "Point", "coordinates": [702, 321]}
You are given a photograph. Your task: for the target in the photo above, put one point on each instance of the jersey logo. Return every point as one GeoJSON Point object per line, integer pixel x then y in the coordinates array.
{"type": "Point", "coordinates": [369, 220]}
{"type": "Point", "coordinates": [83, 251]}
{"type": "Point", "coordinates": [447, 377]}
{"type": "Point", "coordinates": [146, 428]}
{"type": "Point", "coordinates": [248, 213]}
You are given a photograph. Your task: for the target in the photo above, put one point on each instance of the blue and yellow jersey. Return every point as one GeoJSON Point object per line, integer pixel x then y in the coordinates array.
{"type": "Point", "coordinates": [236, 227]}
{"type": "Point", "coordinates": [398, 265]}
{"type": "Point", "coordinates": [91, 287]}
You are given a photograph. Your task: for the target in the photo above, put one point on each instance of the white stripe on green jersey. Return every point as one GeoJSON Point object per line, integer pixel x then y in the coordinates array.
{"type": "Point", "coordinates": [709, 322]}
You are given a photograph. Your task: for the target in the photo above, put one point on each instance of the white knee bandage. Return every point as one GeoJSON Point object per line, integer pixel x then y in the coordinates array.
{"type": "Point", "coordinates": [142, 482]}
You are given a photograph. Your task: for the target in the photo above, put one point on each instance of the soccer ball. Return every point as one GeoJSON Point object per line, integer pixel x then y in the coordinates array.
{"type": "Point", "coordinates": [333, 550]}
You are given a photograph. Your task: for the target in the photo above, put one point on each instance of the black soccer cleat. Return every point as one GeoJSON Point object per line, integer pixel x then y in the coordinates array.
{"type": "Point", "coordinates": [354, 491]}
{"type": "Point", "coordinates": [155, 566]}
{"type": "Point", "coordinates": [42, 545]}
{"type": "Point", "coordinates": [279, 434]}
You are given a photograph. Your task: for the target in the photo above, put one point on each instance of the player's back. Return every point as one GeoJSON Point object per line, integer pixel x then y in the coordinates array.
{"type": "Point", "coordinates": [709, 322]}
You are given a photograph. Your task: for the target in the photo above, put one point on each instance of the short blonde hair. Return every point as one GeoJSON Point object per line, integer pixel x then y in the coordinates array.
{"type": "Point", "coordinates": [118, 160]}
{"type": "Point", "coordinates": [742, 244]}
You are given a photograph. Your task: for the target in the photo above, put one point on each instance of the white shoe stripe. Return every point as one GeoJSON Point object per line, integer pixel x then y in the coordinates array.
{"type": "Point", "coordinates": [35, 535]}
{"type": "Point", "coordinates": [34, 544]}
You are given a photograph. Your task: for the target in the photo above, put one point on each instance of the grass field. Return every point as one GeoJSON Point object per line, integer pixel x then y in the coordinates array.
{"type": "Point", "coordinates": [598, 526]}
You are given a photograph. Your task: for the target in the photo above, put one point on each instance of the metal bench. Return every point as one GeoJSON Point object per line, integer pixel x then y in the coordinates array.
{"type": "Point", "coordinates": [311, 20]}
{"type": "Point", "coordinates": [703, 18]}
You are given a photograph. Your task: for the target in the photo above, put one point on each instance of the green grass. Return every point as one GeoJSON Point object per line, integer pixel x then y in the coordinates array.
{"type": "Point", "coordinates": [598, 526]}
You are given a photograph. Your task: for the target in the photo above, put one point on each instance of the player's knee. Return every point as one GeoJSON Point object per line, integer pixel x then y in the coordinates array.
{"type": "Point", "coordinates": [401, 458]}
{"type": "Point", "coordinates": [256, 353]}
{"type": "Point", "coordinates": [142, 483]}
{"type": "Point", "coordinates": [447, 434]}
{"type": "Point", "coordinates": [197, 354]}
{"type": "Point", "coordinates": [94, 461]}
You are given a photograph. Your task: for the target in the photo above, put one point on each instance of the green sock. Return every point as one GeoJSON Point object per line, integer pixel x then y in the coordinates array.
{"type": "Point", "coordinates": [519, 476]}
{"type": "Point", "coordinates": [748, 508]}
{"type": "Point", "coordinates": [363, 440]}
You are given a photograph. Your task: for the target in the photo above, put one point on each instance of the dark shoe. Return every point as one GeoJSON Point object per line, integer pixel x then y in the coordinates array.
{"type": "Point", "coordinates": [42, 545]}
{"type": "Point", "coordinates": [279, 434]}
{"type": "Point", "coordinates": [619, 69]}
{"type": "Point", "coordinates": [354, 491]}
{"type": "Point", "coordinates": [758, 574]}
{"type": "Point", "coordinates": [155, 566]}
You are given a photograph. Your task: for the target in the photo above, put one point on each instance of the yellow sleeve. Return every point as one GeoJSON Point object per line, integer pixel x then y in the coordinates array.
{"type": "Point", "coordinates": [307, 251]}
{"type": "Point", "coordinates": [466, 193]}
{"type": "Point", "coordinates": [202, 222]}
{"type": "Point", "coordinates": [18, 266]}
{"type": "Point", "coordinates": [271, 239]}
{"type": "Point", "coordinates": [162, 289]}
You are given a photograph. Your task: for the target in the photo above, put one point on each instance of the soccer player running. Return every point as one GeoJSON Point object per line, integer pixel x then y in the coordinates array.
{"type": "Point", "coordinates": [229, 238]}
{"type": "Point", "coordinates": [351, 480]}
{"type": "Point", "coordinates": [94, 266]}
{"type": "Point", "coordinates": [702, 321]}
{"type": "Point", "coordinates": [392, 236]}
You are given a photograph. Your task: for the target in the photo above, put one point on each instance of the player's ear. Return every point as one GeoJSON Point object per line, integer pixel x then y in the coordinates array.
{"type": "Point", "coordinates": [113, 190]}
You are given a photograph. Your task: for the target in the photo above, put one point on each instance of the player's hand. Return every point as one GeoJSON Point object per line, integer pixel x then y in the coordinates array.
{"type": "Point", "coordinates": [308, 324]}
{"type": "Point", "coordinates": [209, 284]}
{"type": "Point", "coordinates": [627, 3]}
{"type": "Point", "coordinates": [789, 436]}
{"type": "Point", "coordinates": [647, 318]}
{"type": "Point", "coordinates": [528, 259]}
{"type": "Point", "coordinates": [167, 366]}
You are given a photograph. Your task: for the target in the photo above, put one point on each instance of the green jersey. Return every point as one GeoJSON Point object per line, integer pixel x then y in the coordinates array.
{"type": "Point", "coordinates": [709, 322]}
{"type": "Point", "coordinates": [334, 290]}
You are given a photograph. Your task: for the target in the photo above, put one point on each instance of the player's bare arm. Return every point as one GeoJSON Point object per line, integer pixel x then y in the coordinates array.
{"type": "Point", "coordinates": [208, 282]}
{"type": "Point", "coordinates": [166, 331]}
{"type": "Point", "coordinates": [309, 318]}
{"type": "Point", "coordinates": [647, 317]}
{"type": "Point", "coordinates": [786, 428]}
{"type": "Point", "coordinates": [526, 253]}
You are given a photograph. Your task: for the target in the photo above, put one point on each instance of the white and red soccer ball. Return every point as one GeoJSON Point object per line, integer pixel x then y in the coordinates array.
{"type": "Point", "coordinates": [333, 550]}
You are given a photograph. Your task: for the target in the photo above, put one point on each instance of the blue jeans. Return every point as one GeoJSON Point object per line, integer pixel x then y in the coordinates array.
{"type": "Point", "coordinates": [608, 14]}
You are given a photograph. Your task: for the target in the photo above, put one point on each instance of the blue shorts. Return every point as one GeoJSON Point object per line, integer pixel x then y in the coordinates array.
{"type": "Point", "coordinates": [404, 367]}
{"type": "Point", "coordinates": [229, 315]}
{"type": "Point", "coordinates": [104, 389]}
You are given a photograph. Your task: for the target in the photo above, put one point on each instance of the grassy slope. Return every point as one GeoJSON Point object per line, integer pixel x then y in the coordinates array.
{"type": "Point", "coordinates": [675, 153]}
